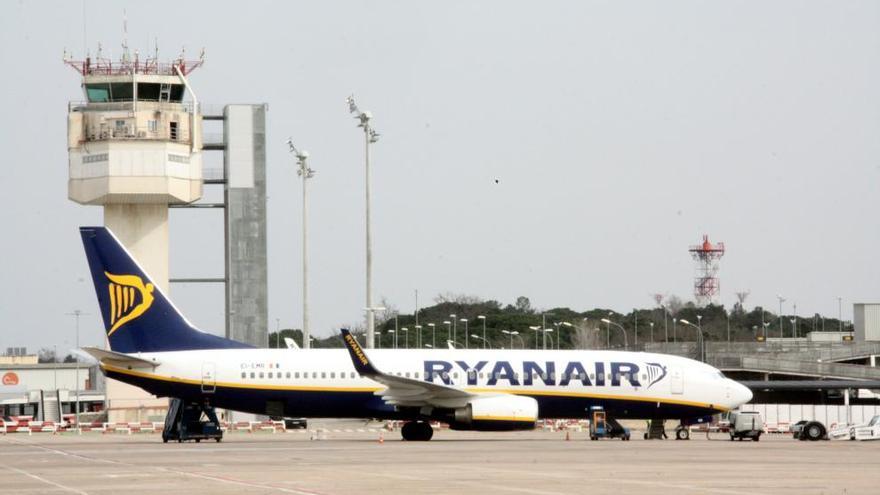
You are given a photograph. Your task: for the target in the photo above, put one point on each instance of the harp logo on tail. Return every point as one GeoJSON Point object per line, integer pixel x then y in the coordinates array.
{"type": "Point", "coordinates": [129, 299]}
{"type": "Point", "coordinates": [656, 372]}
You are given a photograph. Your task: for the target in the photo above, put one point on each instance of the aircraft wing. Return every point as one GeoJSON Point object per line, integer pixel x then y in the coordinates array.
{"type": "Point", "coordinates": [118, 358]}
{"type": "Point", "coordinates": [403, 391]}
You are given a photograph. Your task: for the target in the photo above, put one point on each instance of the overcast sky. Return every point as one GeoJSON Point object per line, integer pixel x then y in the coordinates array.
{"type": "Point", "coordinates": [618, 133]}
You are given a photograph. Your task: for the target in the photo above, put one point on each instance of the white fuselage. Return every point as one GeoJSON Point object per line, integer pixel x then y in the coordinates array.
{"type": "Point", "coordinates": [565, 383]}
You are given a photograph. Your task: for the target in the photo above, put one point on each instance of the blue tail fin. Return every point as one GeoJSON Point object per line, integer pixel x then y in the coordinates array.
{"type": "Point", "coordinates": [137, 315]}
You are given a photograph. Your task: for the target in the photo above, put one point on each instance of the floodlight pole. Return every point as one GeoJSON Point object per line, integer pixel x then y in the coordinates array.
{"type": "Point", "coordinates": [306, 173]}
{"type": "Point", "coordinates": [370, 136]}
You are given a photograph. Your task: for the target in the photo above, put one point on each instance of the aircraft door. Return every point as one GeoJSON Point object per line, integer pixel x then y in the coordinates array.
{"type": "Point", "coordinates": [209, 378]}
{"type": "Point", "coordinates": [676, 381]}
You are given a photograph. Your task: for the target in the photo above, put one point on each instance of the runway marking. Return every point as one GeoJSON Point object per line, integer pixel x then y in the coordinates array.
{"type": "Point", "coordinates": [44, 480]}
{"type": "Point", "coordinates": [659, 484]}
{"type": "Point", "coordinates": [700, 489]}
{"type": "Point", "coordinates": [219, 479]}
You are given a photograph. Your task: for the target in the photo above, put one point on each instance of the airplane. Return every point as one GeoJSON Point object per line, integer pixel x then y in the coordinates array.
{"type": "Point", "coordinates": [154, 347]}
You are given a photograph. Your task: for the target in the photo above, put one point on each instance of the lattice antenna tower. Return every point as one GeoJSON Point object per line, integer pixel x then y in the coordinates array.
{"type": "Point", "coordinates": [707, 257]}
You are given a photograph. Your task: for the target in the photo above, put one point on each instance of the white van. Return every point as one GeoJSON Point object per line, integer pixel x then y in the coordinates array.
{"type": "Point", "coordinates": [746, 424]}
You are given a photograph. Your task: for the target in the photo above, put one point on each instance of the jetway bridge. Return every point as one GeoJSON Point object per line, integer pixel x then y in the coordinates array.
{"type": "Point", "coordinates": [807, 359]}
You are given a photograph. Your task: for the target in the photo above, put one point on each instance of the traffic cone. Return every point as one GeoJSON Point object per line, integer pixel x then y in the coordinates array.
{"type": "Point", "coordinates": [381, 437]}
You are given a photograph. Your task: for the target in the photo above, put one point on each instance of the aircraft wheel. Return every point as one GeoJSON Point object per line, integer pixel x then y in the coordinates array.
{"type": "Point", "coordinates": [732, 437]}
{"type": "Point", "coordinates": [646, 436]}
{"type": "Point", "coordinates": [682, 434]}
{"type": "Point", "coordinates": [757, 438]}
{"type": "Point", "coordinates": [814, 431]}
{"type": "Point", "coordinates": [417, 431]}
{"type": "Point", "coordinates": [198, 440]}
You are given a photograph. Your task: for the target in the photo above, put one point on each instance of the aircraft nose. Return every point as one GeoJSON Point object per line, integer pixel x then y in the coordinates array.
{"type": "Point", "coordinates": [739, 394]}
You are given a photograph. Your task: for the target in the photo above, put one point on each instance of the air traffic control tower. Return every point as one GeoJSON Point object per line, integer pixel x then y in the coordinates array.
{"type": "Point", "coordinates": [135, 148]}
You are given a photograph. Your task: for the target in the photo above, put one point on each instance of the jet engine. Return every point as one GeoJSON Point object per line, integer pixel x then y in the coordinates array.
{"type": "Point", "coordinates": [496, 413]}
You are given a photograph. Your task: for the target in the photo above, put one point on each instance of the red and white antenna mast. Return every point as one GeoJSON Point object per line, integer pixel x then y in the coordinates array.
{"type": "Point", "coordinates": [706, 264]}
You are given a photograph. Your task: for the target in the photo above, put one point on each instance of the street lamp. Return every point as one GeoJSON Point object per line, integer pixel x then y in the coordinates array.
{"type": "Point", "coordinates": [839, 313]}
{"type": "Point", "coordinates": [794, 327]}
{"type": "Point", "coordinates": [405, 337]}
{"type": "Point", "coordinates": [558, 333]}
{"type": "Point", "coordinates": [448, 329]}
{"type": "Point", "coordinates": [674, 339]}
{"type": "Point", "coordinates": [76, 314]}
{"type": "Point", "coordinates": [512, 333]}
{"type": "Point", "coordinates": [781, 300]}
{"type": "Point", "coordinates": [536, 329]}
{"type": "Point", "coordinates": [465, 320]}
{"type": "Point", "coordinates": [306, 173]}
{"type": "Point", "coordinates": [418, 336]}
{"type": "Point", "coordinates": [454, 329]}
{"type": "Point", "coordinates": [370, 137]}
{"type": "Point", "coordinates": [433, 334]}
{"type": "Point", "coordinates": [609, 323]}
{"type": "Point", "coordinates": [394, 335]}
{"type": "Point", "coordinates": [700, 332]}
{"type": "Point", "coordinates": [485, 342]}
{"type": "Point", "coordinates": [546, 336]}
{"type": "Point", "coordinates": [766, 324]}
{"type": "Point", "coordinates": [651, 324]}
{"type": "Point", "coordinates": [475, 336]}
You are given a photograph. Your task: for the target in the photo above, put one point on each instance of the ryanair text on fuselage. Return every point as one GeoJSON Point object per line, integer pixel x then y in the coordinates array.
{"type": "Point", "coordinates": [529, 373]}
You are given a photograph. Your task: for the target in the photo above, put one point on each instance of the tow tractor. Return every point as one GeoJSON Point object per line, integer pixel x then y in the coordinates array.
{"type": "Point", "coordinates": [601, 426]}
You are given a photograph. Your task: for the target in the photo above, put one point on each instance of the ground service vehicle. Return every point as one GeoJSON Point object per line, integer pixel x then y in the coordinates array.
{"type": "Point", "coordinates": [746, 424]}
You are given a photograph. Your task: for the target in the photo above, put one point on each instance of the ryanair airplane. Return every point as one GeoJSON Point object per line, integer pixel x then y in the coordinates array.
{"type": "Point", "coordinates": [154, 347]}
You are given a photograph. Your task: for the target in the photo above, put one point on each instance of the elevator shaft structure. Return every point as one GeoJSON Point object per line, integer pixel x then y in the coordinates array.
{"type": "Point", "coordinates": [707, 258]}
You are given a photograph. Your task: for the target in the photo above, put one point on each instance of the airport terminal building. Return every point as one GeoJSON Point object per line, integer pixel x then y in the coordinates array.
{"type": "Point", "coordinates": [48, 391]}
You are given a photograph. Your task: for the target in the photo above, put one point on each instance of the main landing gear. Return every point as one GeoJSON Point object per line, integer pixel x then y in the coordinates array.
{"type": "Point", "coordinates": [417, 431]}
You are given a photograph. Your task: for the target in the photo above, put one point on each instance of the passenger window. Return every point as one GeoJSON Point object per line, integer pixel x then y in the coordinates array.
{"type": "Point", "coordinates": [261, 374]}
{"type": "Point", "coordinates": [270, 374]}
{"type": "Point", "coordinates": [314, 375]}
{"type": "Point", "coordinates": [332, 374]}
{"type": "Point", "coordinates": [562, 376]}
{"type": "Point", "coordinates": [406, 374]}
{"type": "Point", "coordinates": [252, 374]}
{"type": "Point", "coordinates": [592, 376]}
{"type": "Point", "coordinates": [323, 374]}
{"type": "Point", "coordinates": [243, 374]}
{"type": "Point", "coordinates": [287, 375]}
{"type": "Point", "coordinates": [296, 375]}
{"type": "Point", "coordinates": [416, 375]}
{"type": "Point", "coordinates": [455, 375]}
{"type": "Point", "coordinates": [445, 375]}
{"type": "Point", "coordinates": [544, 376]}
{"type": "Point", "coordinates": [352, 374]}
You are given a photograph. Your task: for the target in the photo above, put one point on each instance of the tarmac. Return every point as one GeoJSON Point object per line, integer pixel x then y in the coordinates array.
{"type": "Point", "coordinates": [349, 459]}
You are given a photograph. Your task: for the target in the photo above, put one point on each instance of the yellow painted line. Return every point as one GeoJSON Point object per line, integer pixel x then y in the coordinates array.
{"type": "Point", "coordinates": [549, 393]}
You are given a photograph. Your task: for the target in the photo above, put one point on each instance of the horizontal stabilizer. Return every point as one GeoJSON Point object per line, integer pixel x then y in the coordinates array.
{"type": "Point", "coordinates": [119, 358]}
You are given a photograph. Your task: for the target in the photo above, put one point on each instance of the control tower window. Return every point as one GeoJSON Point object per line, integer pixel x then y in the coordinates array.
{"type": "Point", "coordinates": [121, 91]}
{"type": "Point", "coordinates": [160, 92]}
{"type": "Point", "coordinates": [102, 93]}
{"type": "Point", "coordinates": [98, 92]}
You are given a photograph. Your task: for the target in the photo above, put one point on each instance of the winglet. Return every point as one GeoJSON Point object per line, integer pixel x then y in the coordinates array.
{"type": "Point", "coordinates": [359, 358]}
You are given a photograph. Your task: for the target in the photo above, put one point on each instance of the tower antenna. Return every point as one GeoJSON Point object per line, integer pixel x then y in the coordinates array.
{"type": "Point", "coordinates": [706, 260]}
